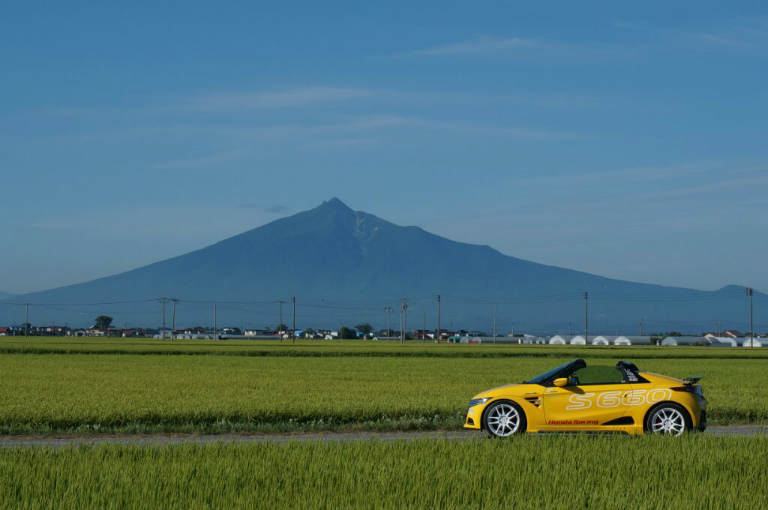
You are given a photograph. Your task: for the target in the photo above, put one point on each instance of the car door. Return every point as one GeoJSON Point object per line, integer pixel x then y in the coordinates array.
{"type": "Point", "coordinates": [593, 397]}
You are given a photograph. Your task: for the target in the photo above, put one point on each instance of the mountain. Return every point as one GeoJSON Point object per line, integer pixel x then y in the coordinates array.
{"type": "Point", "coordinates": [5, 295]}
{"type": "Point", "coordinates": [346, 266]}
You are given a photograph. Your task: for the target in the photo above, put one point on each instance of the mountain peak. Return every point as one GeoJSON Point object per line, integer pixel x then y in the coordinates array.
{"type": "Point", "coordinates": [732, 287]}
{"type": "Point", "coordinates": [335, 204]}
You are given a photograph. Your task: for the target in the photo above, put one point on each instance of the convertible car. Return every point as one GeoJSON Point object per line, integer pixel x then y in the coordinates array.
{"type": "Point", "coordinates": [578, 398]}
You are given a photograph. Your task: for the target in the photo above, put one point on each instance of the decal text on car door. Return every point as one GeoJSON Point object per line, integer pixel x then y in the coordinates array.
{"type": "Point", "coordinates": [609, 399]}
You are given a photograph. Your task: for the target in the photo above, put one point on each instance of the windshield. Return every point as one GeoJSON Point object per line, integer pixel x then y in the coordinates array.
{"type": "Point", "coordinates": [546, 375]}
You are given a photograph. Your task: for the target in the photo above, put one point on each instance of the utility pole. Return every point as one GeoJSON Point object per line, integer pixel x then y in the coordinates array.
{"type": "Point", "coordinates": [214, 322]}
{"type": "Point", "coordinates": [405, 319]}
{"type": "Point", "coordinates": [717, 325]}
{"type": "Point", "coordinates": [424, 326]}
{"type": "Point", "coordinates": [494, 323]}
{"type": "Point", "coordinates": [293, 331]}
{"type": "Point", "coordinates": [586, 318]}
{"type": "Point", "coordinates": [439, 331]}
{"type": "Point", "coordinates": [173, 319]}
{"type": "Point", "coordinates": [751, 293]}
{"type": "Point", "coordinates": [569, 328]}
{"type": "Point", "coordinates": [162, 331]}
{"type": "Point", "coordinates": [280, 326]}
{"type": "Point", "coordinates": [26, 319]}
{"type": "Point", "coordinates": [388, 310]}
{"type": "Point", "coordinates": [641, 326]}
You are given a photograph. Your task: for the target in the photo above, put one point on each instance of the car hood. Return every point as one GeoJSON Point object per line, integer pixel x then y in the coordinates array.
{"type": "Point", "coordinates": [511, 389]}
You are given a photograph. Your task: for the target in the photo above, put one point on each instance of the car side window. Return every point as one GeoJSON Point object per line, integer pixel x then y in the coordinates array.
{"type": "Point", "coordinates": [597, 375]}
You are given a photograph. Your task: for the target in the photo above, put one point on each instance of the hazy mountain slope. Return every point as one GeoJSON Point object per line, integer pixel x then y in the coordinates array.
{"type": "Point", "coordinates": [335, 253]}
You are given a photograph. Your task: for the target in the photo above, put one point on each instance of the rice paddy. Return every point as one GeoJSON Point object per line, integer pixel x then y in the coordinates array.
{"type": "Point", "coordinates": [353, 348]}
{"type": "Point", "coordinates": [132, 393]}
{"type": "Point", "coordinates": [574, 472]}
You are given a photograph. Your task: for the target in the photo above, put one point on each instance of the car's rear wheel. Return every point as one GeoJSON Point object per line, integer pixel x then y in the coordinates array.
{"type": "Point", "coordinates": [503, 419]}
{"type": "Point", "coordinates": [669, 419]}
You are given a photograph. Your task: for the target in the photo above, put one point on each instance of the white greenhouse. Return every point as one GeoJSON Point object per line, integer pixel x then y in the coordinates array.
{"type": "Point", "coordinates": [632, 340]}
{"type": "Point", "coordinates": [756, 342]}
{"type": "Point", "coordinates": [603, 340]}
{"type": "Point", "coordinates": [723, 341]}
{"type": "Point", "coordinates": [578, 340]}
{"type": "Point", "coordinates": [685, 340]}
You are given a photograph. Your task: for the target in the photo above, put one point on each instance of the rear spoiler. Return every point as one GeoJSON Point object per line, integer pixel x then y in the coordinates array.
{"type": "Point", "coordinates": [690, 381]}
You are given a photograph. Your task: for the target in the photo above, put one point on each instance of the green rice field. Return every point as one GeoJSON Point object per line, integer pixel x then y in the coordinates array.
{"type": "Point", "coordinates": [351, 348]}
{"type": "Point", "coordinates": [109, 392]}
{"type": "Point", "coordinates": [527, 472]}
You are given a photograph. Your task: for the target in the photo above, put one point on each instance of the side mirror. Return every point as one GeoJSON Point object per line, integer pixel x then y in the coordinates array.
{"type": "Point", "coordinates": [560, 382]}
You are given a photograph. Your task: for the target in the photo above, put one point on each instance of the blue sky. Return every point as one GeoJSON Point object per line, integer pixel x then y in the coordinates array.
{"type": "Point", "coordinates": [626, 139]}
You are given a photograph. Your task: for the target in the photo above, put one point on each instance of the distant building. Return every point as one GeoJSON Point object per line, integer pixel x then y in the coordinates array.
{"type": "Point", "coordinates": [578, 340]}
{"type": "Point", "coordinates": [632, 340]}
{"type": "Point", "coordinates": [685, 340]}
{"type": "Point", "coordinates": [728, 333]}
{"type": "Point", "coordinates": [561, 340]}
{"type": "Point", "coordinates": [723, 341]}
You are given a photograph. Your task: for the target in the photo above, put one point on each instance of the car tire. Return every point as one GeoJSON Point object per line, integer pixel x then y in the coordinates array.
{"type": "Point", "coordinates": [668, 418]}
{"type": "Point", "coordinates": [504, 418]}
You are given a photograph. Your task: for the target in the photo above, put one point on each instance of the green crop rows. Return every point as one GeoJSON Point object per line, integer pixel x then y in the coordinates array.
{"type": "Point", "coordinates": [346, 348]}
{"type": "Point", "coordinates": [526, 473]}
{"type": "Point", "coordinates": [53, 393]}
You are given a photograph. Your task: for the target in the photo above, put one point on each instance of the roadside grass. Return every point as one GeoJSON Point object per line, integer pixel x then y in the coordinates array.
{"type": "Point", "coordinates": [135, 394]}
{"type": "Point", "coordinates": [527, 472]}
{"type": "Point", "coordinates": [355, 348]}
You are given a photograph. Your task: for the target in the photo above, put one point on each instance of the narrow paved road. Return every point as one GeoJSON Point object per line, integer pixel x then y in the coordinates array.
{"type": "Point", "coordinates": [16, 442]}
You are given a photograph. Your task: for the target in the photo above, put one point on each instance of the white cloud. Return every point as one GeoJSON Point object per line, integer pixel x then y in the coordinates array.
{"type": "Point", "coordinates": [477, 46]}
{"type": "Point", "coordinates": [724, 37]}
{"type": "Point", "coordinates": [291, 98]}
{"type": "Point", "coordinates": [202, 162]}
{"type": "Point", "coordinates": [722, 40]}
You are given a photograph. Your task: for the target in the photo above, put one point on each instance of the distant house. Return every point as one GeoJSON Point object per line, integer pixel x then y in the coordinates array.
{"type": "Point", "coordinates": [261, 333]}
{"type": "Point", "coordinates": [728, 333]}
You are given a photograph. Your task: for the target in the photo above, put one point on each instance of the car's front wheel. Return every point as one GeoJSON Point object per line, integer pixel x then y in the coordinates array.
{"type": "Point", "coordinates": [668, 419]}
{"type": "Point", "coordinates": [503, 419]}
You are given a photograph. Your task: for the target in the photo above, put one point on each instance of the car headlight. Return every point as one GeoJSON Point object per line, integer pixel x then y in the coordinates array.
{"type": "Point", "coordinates": [478, 401]}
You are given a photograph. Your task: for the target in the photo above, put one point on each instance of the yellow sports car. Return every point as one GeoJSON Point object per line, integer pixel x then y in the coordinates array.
{"type": "Point", "coordinates": [577, 397]}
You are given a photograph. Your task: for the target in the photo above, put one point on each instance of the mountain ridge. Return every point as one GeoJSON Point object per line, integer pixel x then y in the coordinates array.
{"type": "Point", "coordinates": [334, 253]}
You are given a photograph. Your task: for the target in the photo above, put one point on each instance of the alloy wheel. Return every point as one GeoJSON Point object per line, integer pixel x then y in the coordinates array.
{"type": "Point", "coordinates": [503, 420]}
{"type": "Point", "coordinates": [667, 420]}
